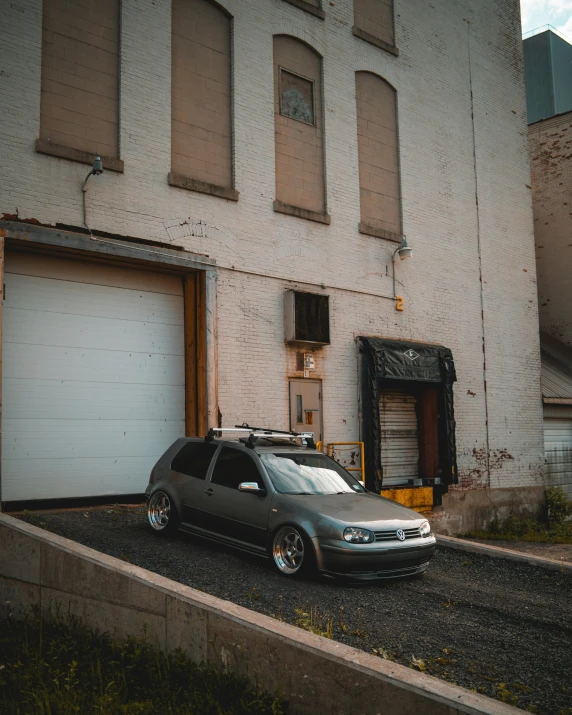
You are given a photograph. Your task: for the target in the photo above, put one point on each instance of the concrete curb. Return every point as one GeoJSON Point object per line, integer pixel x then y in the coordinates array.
{"type": "Point", "coordinates": [501, 553]}
{"type": "Point", "coordinates": [314, 674]}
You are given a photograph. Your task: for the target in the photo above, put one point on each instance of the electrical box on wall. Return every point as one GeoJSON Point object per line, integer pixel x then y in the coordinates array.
{"type": "Point", "coordinates": [306, 318]}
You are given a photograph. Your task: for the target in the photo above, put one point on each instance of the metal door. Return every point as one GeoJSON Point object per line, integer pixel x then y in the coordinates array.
{"type": "Point", "coordinates": [399, 438]}
{"type": "Point", "coordinates": [306, 407]}
{"type": "Point", "coordinates": [191, 466]}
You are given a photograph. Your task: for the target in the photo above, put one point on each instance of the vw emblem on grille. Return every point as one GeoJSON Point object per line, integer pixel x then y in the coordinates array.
{"type": "Point", "coordinates": [411, 354]}
{"type": "Point", "coordinates": [400, 534]}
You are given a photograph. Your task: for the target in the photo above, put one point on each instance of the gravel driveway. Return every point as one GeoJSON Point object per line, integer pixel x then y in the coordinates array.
{"type": "Point", "coordinates": [499, 627]}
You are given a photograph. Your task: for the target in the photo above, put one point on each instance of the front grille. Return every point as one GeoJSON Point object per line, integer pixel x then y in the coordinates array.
{"type": "Point", "coordinates": [391, 535]}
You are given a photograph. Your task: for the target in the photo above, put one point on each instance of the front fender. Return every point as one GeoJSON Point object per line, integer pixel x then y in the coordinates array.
{"type": "Point", "coordinates": [284, 511]}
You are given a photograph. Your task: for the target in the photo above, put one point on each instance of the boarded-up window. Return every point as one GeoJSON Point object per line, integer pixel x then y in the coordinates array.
{"type": "Point", "coordinates": [378, 157]}
{"type": "Point", "coordinates": [373, 21]}
{"type": "Point", "coordinates": [201, 139]}
{"type": "Point", "coordinates": [298, 126]}
{"type": "Point", "coordinates": [314, 7]}
{"type": "Point", "coordinates": [80, 76]}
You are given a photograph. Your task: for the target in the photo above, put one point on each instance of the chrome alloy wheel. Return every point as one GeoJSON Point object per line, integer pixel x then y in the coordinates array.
{"type": "Point", "coordinates": [159, 511]}
{"type": "Point", "coordinates": [288, 550]}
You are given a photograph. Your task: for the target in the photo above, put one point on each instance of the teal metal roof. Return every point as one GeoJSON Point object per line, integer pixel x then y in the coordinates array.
{"type": "Point", "coordinates": [548, 75]}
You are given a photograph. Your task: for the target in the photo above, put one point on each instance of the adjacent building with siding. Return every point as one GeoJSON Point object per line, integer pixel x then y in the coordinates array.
{"type": "Point", "coordinates": [549, 98]}
{"type": "Point", "coordinates": [234, 262]}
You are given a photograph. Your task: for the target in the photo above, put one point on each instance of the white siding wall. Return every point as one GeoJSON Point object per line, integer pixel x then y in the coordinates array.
{"type": "Point", "coordinates": [558, 446]}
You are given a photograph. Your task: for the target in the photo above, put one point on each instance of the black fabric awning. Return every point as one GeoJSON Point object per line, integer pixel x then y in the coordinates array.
{"type": "Point", "coordinates": [386, 360]}
{"type": "Point", "coordinates": [396, 360]}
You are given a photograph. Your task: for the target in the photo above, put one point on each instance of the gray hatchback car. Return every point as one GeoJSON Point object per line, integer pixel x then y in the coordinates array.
{"type": "Point", "coordinates": [275, 495]}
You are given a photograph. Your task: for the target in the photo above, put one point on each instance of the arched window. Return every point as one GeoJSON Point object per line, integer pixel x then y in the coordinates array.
{"type": "Point", "coordinates": [380, 196]}
{"type": "Point", "coordinates": [79, 108]}
{"type": "Point", "coordinates": [299, 131]}
{"type": "Point", "coordinates": [201, 102]}
{"type": "Point", "coordinates": [373, 22]}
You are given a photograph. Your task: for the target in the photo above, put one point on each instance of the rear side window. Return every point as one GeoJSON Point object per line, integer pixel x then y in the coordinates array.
{"type": "Point", "coordinates": [233, 467]}
{"type": "Point", "coordinates": [194, 459]}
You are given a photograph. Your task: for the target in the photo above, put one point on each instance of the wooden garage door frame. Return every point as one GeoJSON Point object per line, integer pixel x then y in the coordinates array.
{"type": "Point", "coordinates": [199, 285]}
{"type": "Point", "coordinates": [196, 413]}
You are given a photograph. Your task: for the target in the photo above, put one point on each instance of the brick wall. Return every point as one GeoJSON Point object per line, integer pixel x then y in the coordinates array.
{"type": "Point", "coordinates": [471, 284]}
{"type": "Point", "coordinates": [550, 143]}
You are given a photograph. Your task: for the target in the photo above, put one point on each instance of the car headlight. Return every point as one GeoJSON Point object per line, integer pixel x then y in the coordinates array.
{"type": "Point", "coordinates": [425, 528]}
{"type": "Point", "coordinates": [355, 535]}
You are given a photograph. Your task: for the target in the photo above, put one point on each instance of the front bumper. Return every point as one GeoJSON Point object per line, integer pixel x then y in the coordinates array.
{"type": "Point", "coordinates": [372, 562]}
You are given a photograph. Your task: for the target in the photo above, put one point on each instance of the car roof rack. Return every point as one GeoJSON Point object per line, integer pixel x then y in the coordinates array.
{"type": "Point", "coordinates": [253, 433]}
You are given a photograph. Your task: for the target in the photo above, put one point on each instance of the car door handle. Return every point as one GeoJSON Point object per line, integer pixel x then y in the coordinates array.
{"type": "Point", "coordinates": [209, 492]}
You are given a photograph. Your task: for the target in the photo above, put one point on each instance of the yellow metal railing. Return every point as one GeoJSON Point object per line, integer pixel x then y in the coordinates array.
{"type": "Point", "coordinates": [331, 452]}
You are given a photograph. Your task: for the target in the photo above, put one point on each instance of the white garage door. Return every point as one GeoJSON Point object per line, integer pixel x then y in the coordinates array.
{"type": "Point", "coordinates": [93, 377]}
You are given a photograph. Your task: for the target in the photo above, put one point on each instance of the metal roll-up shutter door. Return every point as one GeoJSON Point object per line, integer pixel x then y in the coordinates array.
{"type": "Point", "coordinates": [93, 376]}
{"type": "Point", "coordinates": [558, 451]}
{"type": "Point", "coordinates": [399, 438]}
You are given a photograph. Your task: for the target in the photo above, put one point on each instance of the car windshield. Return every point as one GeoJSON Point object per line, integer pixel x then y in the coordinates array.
{"type": "Point", "coordinates": [299, 473]}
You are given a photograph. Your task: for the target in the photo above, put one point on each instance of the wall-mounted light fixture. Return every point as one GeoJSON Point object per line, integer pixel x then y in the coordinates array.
{"type": "Point", "coordinates": [97, 165]}
{"type": "Point", "coordinates": [404, 252]}
{"type": "Point", "coordinates": [96, 169]}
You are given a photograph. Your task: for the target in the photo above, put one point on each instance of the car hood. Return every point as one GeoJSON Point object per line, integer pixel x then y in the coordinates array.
{"type": "Point", "coordinates": [356, 509]}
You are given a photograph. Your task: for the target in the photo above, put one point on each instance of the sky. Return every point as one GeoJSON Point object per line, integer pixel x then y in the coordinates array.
{"type": "Point", "coordinates": [558, 13]}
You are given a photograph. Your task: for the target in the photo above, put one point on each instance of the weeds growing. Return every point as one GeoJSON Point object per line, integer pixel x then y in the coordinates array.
{"type": "Point", "coordinates": [53, 665]}
{"type": "Point", "coordinates": [554, 527]}
{"type": "Point", "coordinates": [359, 631]}
{"type": "Point", "coordinates": [314, 622]}
{"type": "Point", "coordinates": [382, 653]}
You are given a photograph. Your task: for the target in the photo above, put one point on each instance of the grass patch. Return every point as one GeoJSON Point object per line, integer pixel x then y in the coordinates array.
{"type": "Point", "coordinates": [554, 526]}
{"type": "Point", "coordinates": [53, 665]}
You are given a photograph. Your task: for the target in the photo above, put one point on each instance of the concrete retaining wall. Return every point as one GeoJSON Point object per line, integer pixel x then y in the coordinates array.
{"type": "Point", "coordinates": [314, 674]}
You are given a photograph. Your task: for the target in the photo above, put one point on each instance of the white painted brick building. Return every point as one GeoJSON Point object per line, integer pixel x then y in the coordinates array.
{"type": "Point", "coordinates": [466, 212]}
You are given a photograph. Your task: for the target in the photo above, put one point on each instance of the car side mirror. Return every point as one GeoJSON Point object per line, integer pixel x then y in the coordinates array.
{"type": "Point", "coordinates": [251, 487]}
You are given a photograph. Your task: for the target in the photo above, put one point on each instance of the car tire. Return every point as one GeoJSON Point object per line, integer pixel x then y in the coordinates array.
{"type": "Point", "coordinates": [162, 513]}
{"type": "Point", "coordinates": [292, 552]}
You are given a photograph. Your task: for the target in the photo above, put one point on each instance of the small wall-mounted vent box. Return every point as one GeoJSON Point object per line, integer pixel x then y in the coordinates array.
{"type": "Point", "coordinates": [306, 318]}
